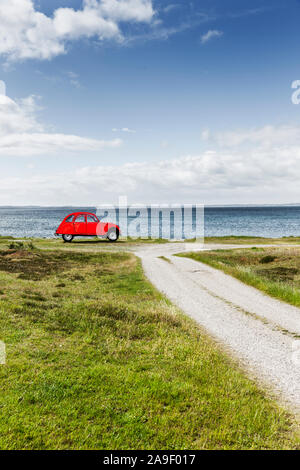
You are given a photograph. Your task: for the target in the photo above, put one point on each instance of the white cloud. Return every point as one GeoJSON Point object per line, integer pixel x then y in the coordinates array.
{"type": "Point", "coordinates": [248, 12]}
{"type": "Point", "coordinates": [213, 176]}
{"type": "Point", "coordinates": [74, 79]}
{"type": "Point", "coordinates": [267, 136]}
{"type": "Point", "coordinates": [22, 135]}
{"type": "Point", "coordinates": [211, 34]}
{"type": "Point", "coordinates": [161, 32]}
{"type": "Point", "coordinates": [124, 129]}
{"type": "Point", "coordinates": [17, 117]}
{"type": "Point", "coordinates": [2, 88]}
{"type": "Point", "coordinates": [171, 7]}
{"type": "Point", "coordinates": [251, 166]}
{"type": "Point", "coordinates": [205, 135]}
{"type": "Point", "coordinates": [124, 10]}
{"type": "Point", "coordinates": [27, 33]}
{"type": "Point", "coordinates": [30, 144]}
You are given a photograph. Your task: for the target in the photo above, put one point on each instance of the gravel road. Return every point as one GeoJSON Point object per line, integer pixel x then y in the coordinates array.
{"type": "Point", "coordinates": [259, 330]}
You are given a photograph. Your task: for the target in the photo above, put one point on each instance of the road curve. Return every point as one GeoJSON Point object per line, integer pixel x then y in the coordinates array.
{"type": "Point", "coordinates": [259, 330]}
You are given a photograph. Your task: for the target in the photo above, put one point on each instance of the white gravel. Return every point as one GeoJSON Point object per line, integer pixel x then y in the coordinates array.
{"type": "Point", "coordinates": [259, 330]}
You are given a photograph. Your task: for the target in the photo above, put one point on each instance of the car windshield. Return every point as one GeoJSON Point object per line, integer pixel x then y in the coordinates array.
{"type": "Point", "coordinates": [70, 218]}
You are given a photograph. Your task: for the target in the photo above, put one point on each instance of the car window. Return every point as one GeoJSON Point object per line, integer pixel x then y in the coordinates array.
{"type": "Point", "coordinates": [91, 218]}
{"type": "Point", "coordinates": [70, 218]}
{"type": "Point", "coordinates": [80, 218]}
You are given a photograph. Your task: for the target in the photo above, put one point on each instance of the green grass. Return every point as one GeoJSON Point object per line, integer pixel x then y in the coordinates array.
{"type": "Point", "coordinates": [84, 244]}
{"type": "Point", "coordinates": [275, 271]}
{"type": "Point", "coordinates": [98, 359]}
{"type": "Point", "coordinates": [94, 244]}
{"type": "Point", "coordinates": [251, 240]}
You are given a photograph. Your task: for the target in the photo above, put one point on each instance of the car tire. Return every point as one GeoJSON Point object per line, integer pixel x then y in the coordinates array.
{"type": "Point", "coordinates": [113, 235]}
{"type": "Point", "coordinates": [68, 238]}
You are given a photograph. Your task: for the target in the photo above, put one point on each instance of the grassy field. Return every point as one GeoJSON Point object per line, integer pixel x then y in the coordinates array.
{"type": "Point", "coordinates": [97, 358]}
{"type": "Point", "coordinates": [275, 271]}
{"type": "Point", "coordinates": [95, 244]}
{"type": "Point", "coordinates": [80, 245]}
{"type": "Point", "coordinates": [243, 240]}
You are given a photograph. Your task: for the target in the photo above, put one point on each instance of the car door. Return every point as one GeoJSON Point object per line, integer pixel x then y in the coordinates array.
{"type": "Point", "coordinates": [91, 225]}
{"type": "Point", "coordinates": [66, 227]}
{"type": "Point", "coordinates": [80, 225]}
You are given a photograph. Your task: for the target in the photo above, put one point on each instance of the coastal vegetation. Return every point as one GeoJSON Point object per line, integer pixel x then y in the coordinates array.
{"type": "Point", "coordinates": [250, 240]}
{"type": "Point", "coordinates": [99, 359]}
{"type": "Point", "coordinates": [273, 270]}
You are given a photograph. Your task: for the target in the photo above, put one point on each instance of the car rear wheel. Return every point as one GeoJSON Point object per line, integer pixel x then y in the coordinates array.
{"type": "Point", "coordinates": [68, 238]}
{"type": "Point", "coordinates": [113, 235]}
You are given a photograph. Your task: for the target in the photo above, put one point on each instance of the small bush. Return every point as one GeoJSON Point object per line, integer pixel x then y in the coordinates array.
{"type": "Point", "coordinates": [267, 259]}
{"type": "Point", "coordinates": [16, 245]}
{"type": "Point", "coordinates": [21, 246]}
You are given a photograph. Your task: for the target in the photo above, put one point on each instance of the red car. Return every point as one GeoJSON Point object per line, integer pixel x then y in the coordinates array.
{"type": "Point", "coordinates": [88, 225]}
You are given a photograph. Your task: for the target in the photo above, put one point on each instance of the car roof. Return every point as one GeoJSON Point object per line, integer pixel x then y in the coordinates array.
{"type": "Point", "coordinates": [80, 213]}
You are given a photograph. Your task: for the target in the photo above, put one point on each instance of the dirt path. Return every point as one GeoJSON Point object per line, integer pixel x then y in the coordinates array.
{"type": "Point", "coordinates": [261, 331]}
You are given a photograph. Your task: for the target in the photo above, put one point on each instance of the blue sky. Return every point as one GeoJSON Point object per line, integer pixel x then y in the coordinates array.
{"type": "Point", "coordinates": [185, 100]}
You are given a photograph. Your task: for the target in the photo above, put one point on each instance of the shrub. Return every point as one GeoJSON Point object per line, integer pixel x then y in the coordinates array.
{"type": "Point", "coordinates": [267, 259]}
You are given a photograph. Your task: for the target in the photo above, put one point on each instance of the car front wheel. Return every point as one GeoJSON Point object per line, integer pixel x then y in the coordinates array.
{"type": "Point", "coordinates": [68, 238]}
{"type": "Point", "coordinates": [113, 235]}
